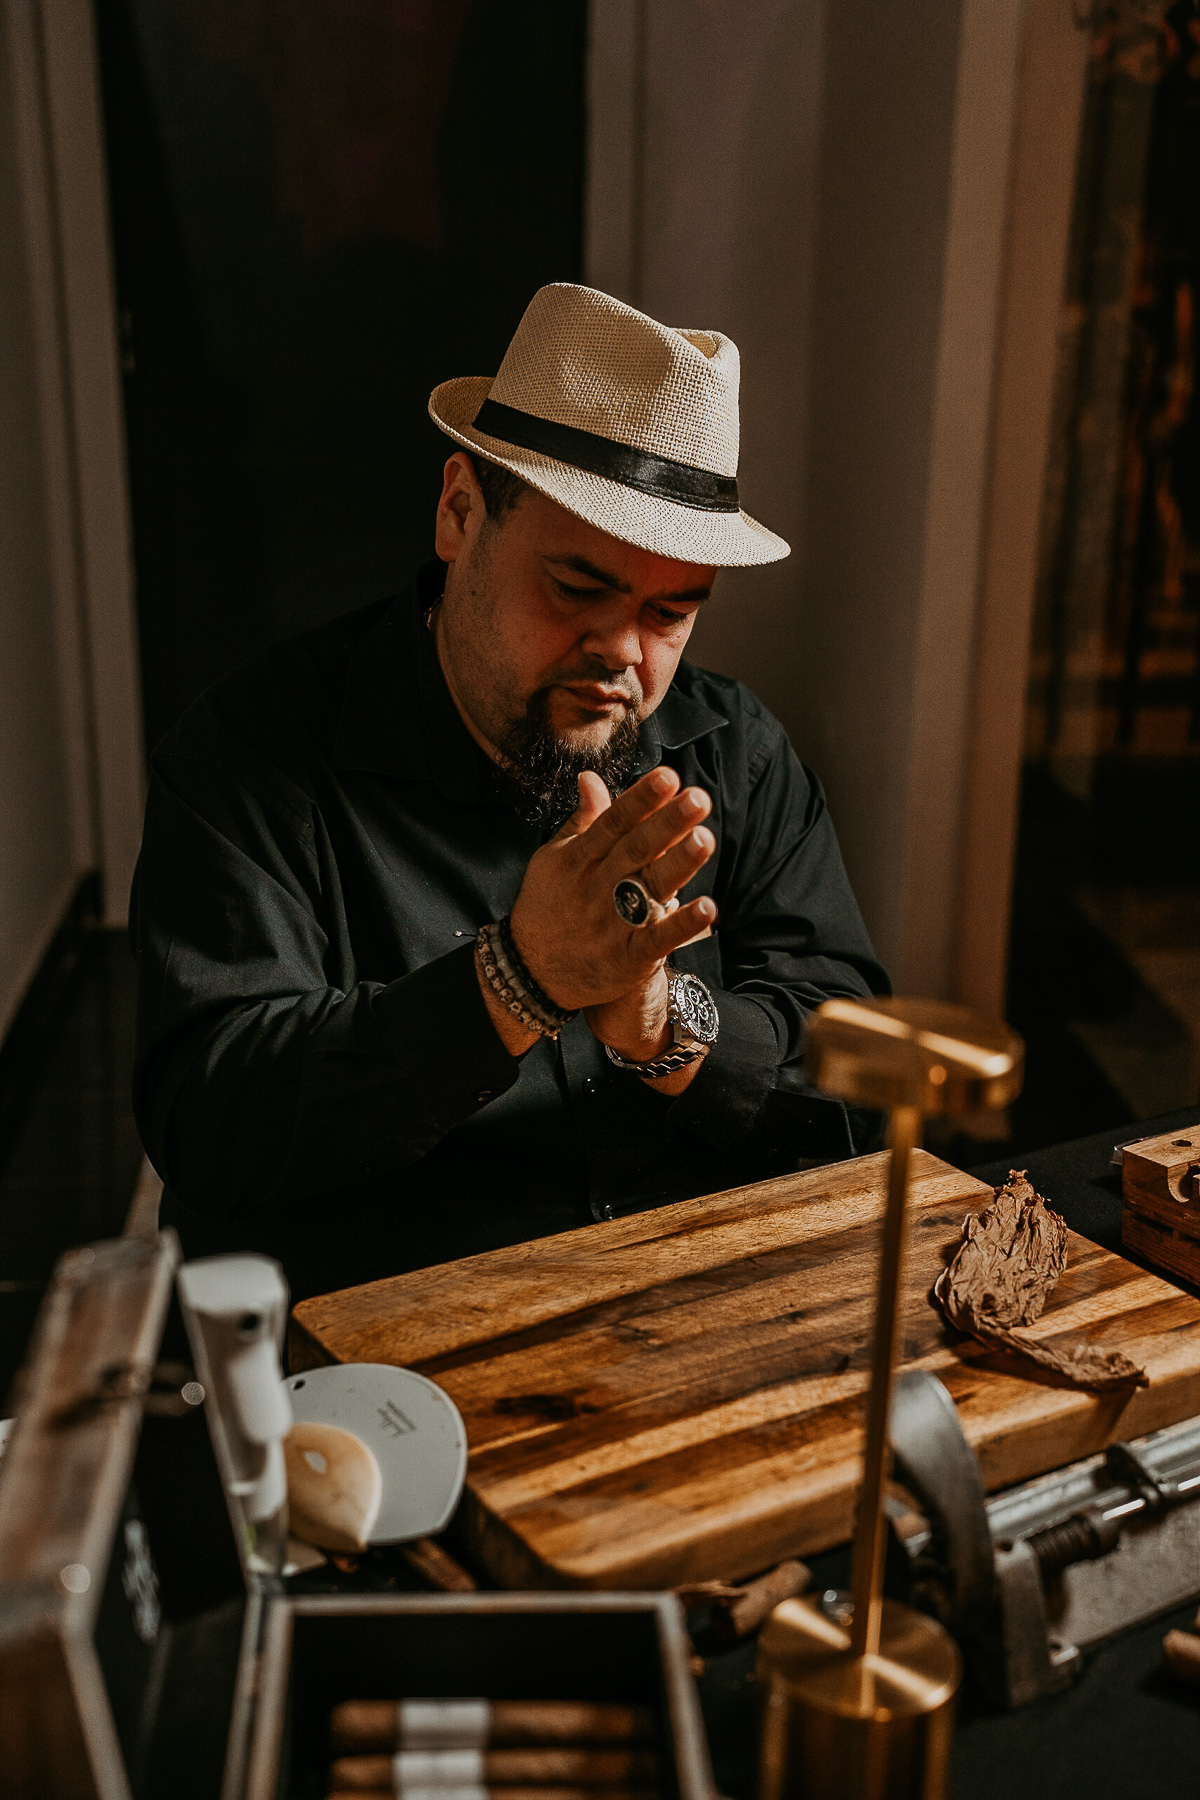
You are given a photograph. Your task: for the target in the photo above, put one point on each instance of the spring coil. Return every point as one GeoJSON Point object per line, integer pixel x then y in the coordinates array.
{"type": "Point", "coordinates": [1081, 1538]}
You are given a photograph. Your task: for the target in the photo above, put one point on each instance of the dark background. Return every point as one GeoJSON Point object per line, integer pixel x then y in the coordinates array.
{"type": "Point", "coordinates": [1104, 974]}
{"type": "Point", "coordinates": [322, 208]}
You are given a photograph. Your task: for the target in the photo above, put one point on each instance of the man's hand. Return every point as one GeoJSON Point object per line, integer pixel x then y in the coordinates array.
{"type": "Point", "coordinates": [567, 928]}
{"type": "Point", "coordinates": [564, 921]}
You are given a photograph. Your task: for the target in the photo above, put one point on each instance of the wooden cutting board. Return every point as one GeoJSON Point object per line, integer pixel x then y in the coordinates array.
{"type": "Point", "coordinates": [678, 1395]}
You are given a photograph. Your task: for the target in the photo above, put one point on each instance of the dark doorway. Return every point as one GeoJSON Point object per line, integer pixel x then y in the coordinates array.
{"type": "Point", "coordinates": [321, 209]}
{"type": "Point", "coordinates": [1106, 917]}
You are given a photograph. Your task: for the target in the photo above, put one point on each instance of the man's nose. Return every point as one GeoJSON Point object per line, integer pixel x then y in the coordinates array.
{"type": "Point", "coordinates": [613, 639]}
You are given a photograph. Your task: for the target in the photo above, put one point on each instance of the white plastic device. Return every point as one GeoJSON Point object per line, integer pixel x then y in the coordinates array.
{"type": "Point", "coordinates": [235, 1310]}
{"type": "Point", "coordinates": [412, 1425]}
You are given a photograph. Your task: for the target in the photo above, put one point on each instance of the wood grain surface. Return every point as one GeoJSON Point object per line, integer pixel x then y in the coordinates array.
{"type": "Point", "coordinates": [678, 1395]}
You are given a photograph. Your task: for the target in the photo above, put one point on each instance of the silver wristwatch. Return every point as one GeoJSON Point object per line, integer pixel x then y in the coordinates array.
{"type": "Point", "coordinates": [692, 1016]}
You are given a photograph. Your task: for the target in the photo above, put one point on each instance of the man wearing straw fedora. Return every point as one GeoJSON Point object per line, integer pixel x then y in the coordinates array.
{"type": "Point", "coordinates": [479, 914]}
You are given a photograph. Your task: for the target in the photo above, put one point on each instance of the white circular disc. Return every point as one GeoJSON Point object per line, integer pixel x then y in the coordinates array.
{"type": "Point", "coordinates": [411, 1424]}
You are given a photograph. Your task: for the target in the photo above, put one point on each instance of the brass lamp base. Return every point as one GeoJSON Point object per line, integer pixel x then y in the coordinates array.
{"type": "Point", "coordinates": [841, 1727]}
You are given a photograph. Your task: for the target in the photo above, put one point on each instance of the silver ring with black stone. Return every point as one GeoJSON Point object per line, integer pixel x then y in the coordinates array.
{"type": "Point", "coordinates": [634, 904]}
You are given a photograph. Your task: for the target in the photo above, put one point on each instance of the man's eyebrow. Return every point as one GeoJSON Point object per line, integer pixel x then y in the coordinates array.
{"type": "Point", "coordinates": [680, 596]}
{"type": "Point", "coordinates": [581, 566]}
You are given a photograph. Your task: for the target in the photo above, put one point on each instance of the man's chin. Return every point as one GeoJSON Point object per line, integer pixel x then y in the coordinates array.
{"type": "Point", "coordinates": [585, 736]}
{"type": "Point", "coordinates": [586, 740]}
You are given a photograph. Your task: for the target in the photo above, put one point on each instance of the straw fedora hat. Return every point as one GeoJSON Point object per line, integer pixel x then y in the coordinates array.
{"type": "Point", "coordinates": [629, 424]}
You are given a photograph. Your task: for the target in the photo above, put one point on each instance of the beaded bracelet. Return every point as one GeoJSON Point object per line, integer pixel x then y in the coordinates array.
{"type": "Point", "coordinates": [506, 974]}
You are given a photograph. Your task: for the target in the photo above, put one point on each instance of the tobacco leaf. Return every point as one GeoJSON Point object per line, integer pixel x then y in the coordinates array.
{"type": "Point", "coordinates": [1005, 1269]}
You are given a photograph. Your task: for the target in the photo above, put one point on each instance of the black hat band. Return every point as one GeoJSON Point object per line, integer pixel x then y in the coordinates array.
{"type": "Point", "coordinates": [657, 475]}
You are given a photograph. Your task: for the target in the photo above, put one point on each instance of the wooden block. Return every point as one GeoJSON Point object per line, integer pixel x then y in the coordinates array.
{"type": "Point", "coordinates": [1160, 1215]}
{"type": "Point", "coordinates": [334, 1484]}
{"type": "Point", "coordinates": [678, 1396]}
{"type": "Point", "coordinates": [1171, 1250]}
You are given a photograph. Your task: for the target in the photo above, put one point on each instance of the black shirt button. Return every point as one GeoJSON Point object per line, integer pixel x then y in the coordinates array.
{"type": "Point", "coordinates": [483, 1094]}
{"type": "Point", "coordinates": [591, 1087]}
{"type": "Point", "coordinates": [606, 1212]}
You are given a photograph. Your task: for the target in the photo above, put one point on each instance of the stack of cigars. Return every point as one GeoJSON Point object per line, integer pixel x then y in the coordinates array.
{"type": "Point", "coordinates": [492, 1750]}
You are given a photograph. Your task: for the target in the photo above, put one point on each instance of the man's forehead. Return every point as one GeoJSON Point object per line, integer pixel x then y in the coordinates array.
{"type": "Point", "coordinates": [568, 543]}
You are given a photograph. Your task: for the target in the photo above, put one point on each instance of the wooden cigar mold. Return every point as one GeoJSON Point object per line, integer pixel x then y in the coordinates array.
{"type": "Point", "coordinates": [1160, 1215]}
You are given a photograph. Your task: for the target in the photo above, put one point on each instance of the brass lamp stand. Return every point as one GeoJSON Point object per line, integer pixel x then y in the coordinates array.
{"type": "Point", "coordinates": [866, 1713]}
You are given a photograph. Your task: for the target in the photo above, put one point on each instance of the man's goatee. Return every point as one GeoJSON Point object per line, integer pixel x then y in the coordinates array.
{"type": "Point", "coordinates": [540, 772]}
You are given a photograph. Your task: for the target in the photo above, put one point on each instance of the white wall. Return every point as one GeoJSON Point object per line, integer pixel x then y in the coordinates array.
{"type": "Point", "coordinates": [703, 174]}
{"type": "Point", "coordinates": [1047, 131]}
{"type": "Point", "coordinates": [95, 426]}
{"type": "Point", "coordinates": [44, 828]}
{"type": "Point", "coordinates": [70, 755]}
{"type": "Point", "coordinates": [828, 182]}
{"type": "Point", "coordinates": [919, 102]}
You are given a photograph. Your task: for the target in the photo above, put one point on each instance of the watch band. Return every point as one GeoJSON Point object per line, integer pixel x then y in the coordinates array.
{"type": "Point", "coordinates": [690, 1041]}
{"type": "Point", "coordinates": [666, 1064]}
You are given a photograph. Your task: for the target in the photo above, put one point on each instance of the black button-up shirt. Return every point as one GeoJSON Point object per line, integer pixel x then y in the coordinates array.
{"type": "Point", "coordinates": [317, 1074]}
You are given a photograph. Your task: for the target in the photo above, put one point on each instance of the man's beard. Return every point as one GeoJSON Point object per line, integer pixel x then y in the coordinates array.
{"type": "Point", "coordinates": [540, 772]}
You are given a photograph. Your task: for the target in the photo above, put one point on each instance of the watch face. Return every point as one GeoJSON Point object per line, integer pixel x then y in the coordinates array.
{"type": "Point", "coordinates": [695, 1007]}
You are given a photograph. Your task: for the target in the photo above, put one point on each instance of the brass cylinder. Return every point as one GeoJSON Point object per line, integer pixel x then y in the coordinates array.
{"type": "Point", "coordinates": [868, 1714]}
{"type": "Point", "coordinates": [837, 1726]}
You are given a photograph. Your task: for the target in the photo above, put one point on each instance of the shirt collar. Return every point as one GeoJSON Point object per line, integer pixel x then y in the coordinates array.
{"type": "Point", "coordinates": [398, 718]}
{"type": "Point", "coordinates": [679, 720]}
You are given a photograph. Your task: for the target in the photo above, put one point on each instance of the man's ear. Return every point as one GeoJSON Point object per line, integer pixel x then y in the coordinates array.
{"type": "Point", "coordinates": [461, 510]}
